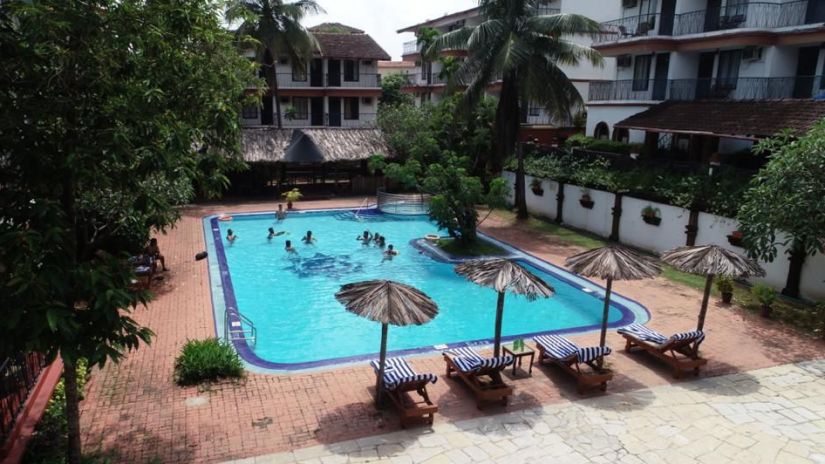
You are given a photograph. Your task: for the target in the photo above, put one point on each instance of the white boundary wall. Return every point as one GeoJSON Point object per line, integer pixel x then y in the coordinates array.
{"type": "Point", "coordinates": [671, 233]}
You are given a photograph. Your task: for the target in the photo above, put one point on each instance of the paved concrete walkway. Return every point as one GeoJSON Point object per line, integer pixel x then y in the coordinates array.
{"type": "Point", "coordinates": [769, 415]}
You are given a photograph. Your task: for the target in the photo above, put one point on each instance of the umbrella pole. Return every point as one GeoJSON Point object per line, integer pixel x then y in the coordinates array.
{"type": "Point", "coordinates": [605, 314]}
{"type": "Point", "coordinates": [379, 382]}
{"type": "Point", "coordinates": [701, 324]}
{"type": "Point", "coordinates": [499, 317]}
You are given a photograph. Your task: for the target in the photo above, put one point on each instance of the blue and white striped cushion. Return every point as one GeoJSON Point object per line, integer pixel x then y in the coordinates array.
{"type": "Point", "coordinates": [693, 336]}
{"type": "Point", "coordinates": [643, 333]}
{"type": "Point", "coordinates": [397, 372]}
{"type": "Point", "coordinates": [560, 348]}
{"type": "Point", "coordinates": [468, 360]}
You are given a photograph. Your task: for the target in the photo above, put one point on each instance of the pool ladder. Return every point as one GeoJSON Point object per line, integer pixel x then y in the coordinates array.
{"type": "Point", "coordinates": [364, 205]}
{"type": "Point", "coordinates": [240, 329]}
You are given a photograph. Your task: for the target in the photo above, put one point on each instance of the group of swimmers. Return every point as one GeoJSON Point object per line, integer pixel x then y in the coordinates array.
{"type": "Point", "coordinates": [378, 240]}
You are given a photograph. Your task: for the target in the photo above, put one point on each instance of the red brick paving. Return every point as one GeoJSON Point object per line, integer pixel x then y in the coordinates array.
{"type": "Point", "coordinates": [134, 411]}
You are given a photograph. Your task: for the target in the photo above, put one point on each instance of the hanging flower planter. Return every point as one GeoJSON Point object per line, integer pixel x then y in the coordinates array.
{"type": "Point", "coordinates": [586, 201]}
{"type": "Point", "coordinates": [735, 238]}
{"type": "Point", "coordinates": [652, 216]}
{"type": "Point", "coordinates": [535, 186]}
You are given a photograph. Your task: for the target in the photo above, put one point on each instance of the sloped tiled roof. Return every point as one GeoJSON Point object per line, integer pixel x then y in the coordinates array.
{"type": "Point", "coordinates": [321, 145]}
{"type": "Point", "coordinates": [334, 28]}
{"type": "Point", "coordinates": [736, 119]}
{"type": "Point", "coordinates": [349, 45]}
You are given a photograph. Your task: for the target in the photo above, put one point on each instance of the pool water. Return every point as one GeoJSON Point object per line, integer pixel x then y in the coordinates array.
{"type": "Point", "coordinates": [290, 298]}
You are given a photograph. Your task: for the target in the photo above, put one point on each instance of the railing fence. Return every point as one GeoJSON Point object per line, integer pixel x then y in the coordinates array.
{"type": "Point", "coordinates": [18, 376]}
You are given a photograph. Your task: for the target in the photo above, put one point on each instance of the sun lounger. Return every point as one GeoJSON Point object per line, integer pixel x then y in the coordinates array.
{"type": "Point", "coordinates": [567, 355]}
{"type": "Point", "coordinates": [680, 351]}
{"type": "Point", "coordinates": [399, 380]}
{"type": "Point", "coordinates": [482, 375]}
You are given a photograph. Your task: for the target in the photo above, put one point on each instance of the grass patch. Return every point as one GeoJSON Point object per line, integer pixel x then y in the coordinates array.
{"type": "Point", "coordinates": [479, 248]}
{"type": "Point", "coordinates": [207, 360]}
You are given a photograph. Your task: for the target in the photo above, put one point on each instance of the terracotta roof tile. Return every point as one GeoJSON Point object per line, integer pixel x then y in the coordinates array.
{"type": "Point", "coordinates": [341, 41]}
{"type": "Point", "coordinates": [736, 119]}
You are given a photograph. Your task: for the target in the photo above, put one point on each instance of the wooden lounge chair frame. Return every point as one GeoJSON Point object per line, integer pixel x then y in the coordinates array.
{"type": "Point", "coordinates": [585, 381]}
{"type": "Point", "coordinates": [410, 410]}
{"type": "Point", "coordinates": [681, 355]}
{"type": "Point", "coordinates": [485, 391]}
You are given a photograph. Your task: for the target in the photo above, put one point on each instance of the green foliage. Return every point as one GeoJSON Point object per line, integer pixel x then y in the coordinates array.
{"type": "Point", "coordinates": [479, 248]}
{"type": "Point", "coordinates": [47, 445]}
{"type": "Point", "coordinates": [207, 360]}
{"type": "Point", "coordinates": [391, 91]}
{"type": "Point", "coordinates": [785, 205]}
{"type": "Point", "coordinates": [293, 195]}
{"type": "Point", "coordinates": [651, 212]}
{"type": "Point", "coordinates": [724, 284]}
{"type": "Point", "coordinates": [764, 294]}
{"type": "Point", "coordinates": [591, 143]}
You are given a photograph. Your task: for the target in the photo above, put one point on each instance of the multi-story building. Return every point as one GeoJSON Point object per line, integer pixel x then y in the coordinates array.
{"type": "Point", "coordinates": [428, 81]}
{"type": "Point", "coordinates": [339, 87]}
{"type": "Point", "coordinates": [707, 77]}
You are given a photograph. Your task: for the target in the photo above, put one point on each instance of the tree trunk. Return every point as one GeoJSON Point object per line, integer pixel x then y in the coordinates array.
{"type": "Point", "coordinates": [272, 82]}
{"type": "Point", "coordinates": [700, 325]}
{"type": "Point", "coordinates": [499, 317]}
{"type": "Point", "coordinates": [379, 381]}
{"type": "Point", "coordinates": [505, 130]}
{"type": "Point", "coordinates": [797, 260]}
{"type": "Point", "coordinates": [73, 451]}
{"type": "Point", "coordinates": [521, 194]}
{"type": "Point", "coordinates": [605, 314]}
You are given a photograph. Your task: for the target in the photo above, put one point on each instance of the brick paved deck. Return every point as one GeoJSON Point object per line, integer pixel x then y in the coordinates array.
{"type": "Point", "coordinates": [136, 413]}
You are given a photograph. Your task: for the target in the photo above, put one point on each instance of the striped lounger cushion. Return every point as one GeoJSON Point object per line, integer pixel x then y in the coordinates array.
{"type": "Point", "coordinates": [468, 360]}
{"type": "Point", "coordinates": [397, 372]}
{"type": "Point", "coordinates": [650, 335]}
{"type": "Point", "coordinates": [560, 348]}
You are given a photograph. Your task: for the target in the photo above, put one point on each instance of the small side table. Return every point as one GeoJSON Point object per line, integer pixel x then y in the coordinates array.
{"type": "Point", "coordinates": [518, 355]}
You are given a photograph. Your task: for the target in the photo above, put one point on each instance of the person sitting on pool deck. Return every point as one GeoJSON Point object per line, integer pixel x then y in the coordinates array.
{"type": "Point", "coordinates": [281, 214]}
{"type": "Point", "coordinates": [365, 237]}
{"type": "Point", "coordinates": [273, 234]}
{"type": "Point", "coordinates": [153, 251]}
{"type": "Point", "coordinates": [308, 238]}
{"type": "Point", "coordinates": [289, 248]}
{"type": "Point", "coordinates": [230, 236]}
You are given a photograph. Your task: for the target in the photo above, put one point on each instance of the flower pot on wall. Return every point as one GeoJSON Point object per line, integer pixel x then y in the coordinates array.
{"type": "Point", "coordinates": [537, 191]}
{"type": "Point", "coordinates": [652, 215]}
{"type": "Point", "coordinates": [652, 220]}
{"type": "Point", "coordinates": [735, 238]}
{"type": "Point", "coordinates": [586, 203]}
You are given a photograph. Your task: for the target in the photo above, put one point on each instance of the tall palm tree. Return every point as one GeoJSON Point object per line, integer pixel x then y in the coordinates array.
{"type": "Point", "coordinates": [525, 51]}
{"type": "Point", "coordinates": [276, 26]}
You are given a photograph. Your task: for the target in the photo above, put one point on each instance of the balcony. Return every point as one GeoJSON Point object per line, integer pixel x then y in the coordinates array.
{"type": "Point", "coordinates": [424, 79]}
{"type": "Point", "coordinates": [411, 48]}
{"type": "Point", "coordinates": [359, 121]}
{"type": "Point", "coordinates": [546, 10]}
{"type": "Point", "coordinates": [754, 15]}
{"type": "Point", "coordinates": [731, 89]}
{"type": "Point", "coordinates": [293, 81]}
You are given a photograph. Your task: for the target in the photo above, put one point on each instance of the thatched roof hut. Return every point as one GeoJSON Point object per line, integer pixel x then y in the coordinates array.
{"type": "Point", "coordinates": [317, 145]}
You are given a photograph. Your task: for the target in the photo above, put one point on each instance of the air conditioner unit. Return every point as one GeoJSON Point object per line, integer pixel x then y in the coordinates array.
{"type": "Point", "coordinates": [752, 53]}
{"type": "Point", "coordinates": [629, 3]}
{"type": "Point", "coordinates": [624, 61]}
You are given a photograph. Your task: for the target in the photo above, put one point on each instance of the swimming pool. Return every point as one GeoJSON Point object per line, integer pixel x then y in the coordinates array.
{"type": "Point", "coordinates": [290, 298]}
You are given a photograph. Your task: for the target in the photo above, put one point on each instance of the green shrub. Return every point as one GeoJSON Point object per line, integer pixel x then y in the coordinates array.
{"type": "Point", "coordinates": [724, 284]}
{"type": "Point", "coordinates": [764, 294]}
{"type": "Point", "coordinates": [206, 360]}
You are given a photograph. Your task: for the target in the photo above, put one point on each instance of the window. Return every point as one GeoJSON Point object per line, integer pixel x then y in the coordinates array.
{"type": "Point", "coordinates": [250, 112]}
{"type": "Point", "coordinates": [735, 10]}
{"type": "Point", "coordinates": [300, 105]}
{"type": "Point", "coordinates": [299, 73]}
{"type": "Point", "coordinates": [351, 71]}
{"type": "Point", "coordinates": [727, 73]}
{"type": "Point", "coordinates": [641, 72]}
{"type": "Point", "coordinates": [351, 108]}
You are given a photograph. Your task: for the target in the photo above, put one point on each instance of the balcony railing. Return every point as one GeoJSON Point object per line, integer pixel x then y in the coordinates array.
{"type": "Point", "coordinates": [18, 376]}
{"type": "Point", "coordinates": [421, 79]}
{"type": "Point", "coordinates": [411, 47]}
{"type": "Point", "coordinates": [296, 81]}
{"type": "Point", "coordinates": [759, 15]}
{"type": "Point", "coordinates": [742, 88]}
{"type": "Point", "coordinates": [360, 120]}
{"type": "Point", "coordinates": [545, 10]}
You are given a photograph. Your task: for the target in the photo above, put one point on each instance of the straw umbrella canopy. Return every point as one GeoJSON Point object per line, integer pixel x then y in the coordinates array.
{"type": "Point", "coordinates": [504, 275]}
{"type": "Point", "coordinates": [387, 302]}
{"type": "Point", "coordinates": [613, 263]}
{"type": "Point", "coordinates": [711, 260]}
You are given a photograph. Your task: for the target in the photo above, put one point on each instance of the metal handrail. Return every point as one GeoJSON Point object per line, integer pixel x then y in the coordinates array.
{"type": "Point", "coordinates": [403, 203]}
{"type": "Point", "coordinates": [716, 88]}
{"type": "Point", "coordinates": [234, 329]}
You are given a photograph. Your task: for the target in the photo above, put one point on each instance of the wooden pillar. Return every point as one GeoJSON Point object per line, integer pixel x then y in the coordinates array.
{"type": "Point", "coordinates": [797, 259]}
{"type": "Point", "coordinates": [692, 227]}
{"type": "Point", "coordinates": [560, 204]}
{"type": "Point", "coordinates": [617, 216]}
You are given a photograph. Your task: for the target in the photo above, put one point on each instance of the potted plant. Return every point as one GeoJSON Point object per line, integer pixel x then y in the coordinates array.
{"type": "Point", "coordinates": [585, 200]}
{"type": "Point", "coordinates": [725, 286]}
{"type": "Point", "coordinates": [535, 186]}
{"type": "Point", "coordinates": [291, 197]}
{"type": "Point", "coordinates": [766, 296]}
{"type": "Point", "coordinates": [290, 113]}
{"type": "Point", "coordinates": [651, 215]}
{"type": "Point", "coordinates": [735, 238]}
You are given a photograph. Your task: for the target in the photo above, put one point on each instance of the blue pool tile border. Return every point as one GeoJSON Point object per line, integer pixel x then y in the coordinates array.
{"type": "Point", "coordinates": [221, 282]}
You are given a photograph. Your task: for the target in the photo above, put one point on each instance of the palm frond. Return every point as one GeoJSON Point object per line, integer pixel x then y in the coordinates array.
{"type": "Point", "coordinates": [563, 24]}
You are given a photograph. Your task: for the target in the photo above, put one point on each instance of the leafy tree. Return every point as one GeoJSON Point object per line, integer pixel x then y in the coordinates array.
{"type": "Point", "coordinates": [113, 110]}
{"type": "Point", "coordinates": [785, 205]}
{"type": "Point", "coordinates": [276, 27]}
{"type": "Point", "coordinates": [525, 51]}
{"type": "Point", "coordinates": [392, 93]}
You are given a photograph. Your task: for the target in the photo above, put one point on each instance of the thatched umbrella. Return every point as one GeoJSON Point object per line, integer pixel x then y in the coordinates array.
{"type": "Point", "coordinates": [613, 263]}
{"type": "Point", "coordinates": [504, 275]}
{"type": "Point", "coordinates": [711, 260]}
{"type": "Point", "coordinates": [387, 302]}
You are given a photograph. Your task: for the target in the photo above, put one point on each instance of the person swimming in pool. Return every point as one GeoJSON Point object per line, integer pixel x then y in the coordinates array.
{"type": "Point", "coordinates": [273, 234]}
{"type": "Point", "coordinates": [390, 253]}
{"type": "Point", "coordinates": [289, 248]}
{"type": "Point", "coordinates": [308, 238]}
{"type": "Point", "coordinates": [281, 214]}
{"type": "Point", "coordinates": [230, 236]}
{"type": "Point", "coordinates": [365, 237]}
{"type": "Point", "coordinates": [381, 241]}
